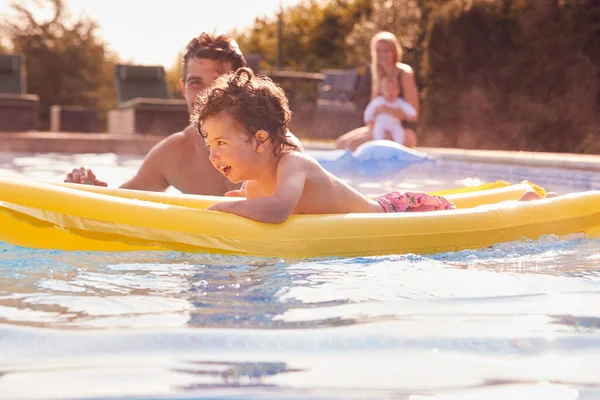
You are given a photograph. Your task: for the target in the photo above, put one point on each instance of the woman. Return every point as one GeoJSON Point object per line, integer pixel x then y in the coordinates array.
{"type": "Point", "coordinates": [386, 56]}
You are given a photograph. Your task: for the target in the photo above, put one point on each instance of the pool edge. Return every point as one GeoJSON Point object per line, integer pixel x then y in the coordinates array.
{"type": "Point", "coordinates": [61, 142]}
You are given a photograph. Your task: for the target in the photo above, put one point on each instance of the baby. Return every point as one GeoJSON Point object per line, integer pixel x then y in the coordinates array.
{"type": "Point", "coordinates": [383, 121]}
{"type": "Point", "coordinates": [244, 119]}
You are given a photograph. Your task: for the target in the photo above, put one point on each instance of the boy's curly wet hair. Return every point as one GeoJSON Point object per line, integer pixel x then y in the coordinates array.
{"type": "Point", "coordinates": [220, 48]}
{"type": "Point", "coordinates": [255, 102]}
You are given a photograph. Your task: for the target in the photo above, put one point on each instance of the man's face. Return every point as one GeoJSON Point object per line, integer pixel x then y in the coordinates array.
{"type": "Point", "coordinates": [201, 73]}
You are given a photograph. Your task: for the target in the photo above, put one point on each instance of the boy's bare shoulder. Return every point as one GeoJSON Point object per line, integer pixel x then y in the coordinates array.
{"type": "Point", "coordinates": [296, 162]}
{"type": "Point", "coordinates": [299, 158]}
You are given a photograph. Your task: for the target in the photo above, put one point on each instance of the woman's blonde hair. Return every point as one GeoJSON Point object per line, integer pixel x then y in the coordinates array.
{"type": "Point", "coordinates": [377, 70]}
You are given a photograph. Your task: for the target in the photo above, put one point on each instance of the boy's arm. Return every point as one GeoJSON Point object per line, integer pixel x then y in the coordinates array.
{"type": "Point", "coordinates": [406, 107]}
{"type": "Point", "coordinates": [394, 112]}
{"type": "Point", "coordinates": [367, 114]}
{"type": "Point", "coordinates": [291, 176]}
{"type": "Point", "coordinates": [370, 111]}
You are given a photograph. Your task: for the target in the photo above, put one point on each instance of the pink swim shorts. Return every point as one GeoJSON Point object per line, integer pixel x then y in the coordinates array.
{"type": "Point", "coordinates": [413, 202]}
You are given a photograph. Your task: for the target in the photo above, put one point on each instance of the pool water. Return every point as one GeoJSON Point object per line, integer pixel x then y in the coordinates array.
{"type": "Point", "coordinates": [516, 320]}
{"type": "Point", "coordinates": [429, 176]}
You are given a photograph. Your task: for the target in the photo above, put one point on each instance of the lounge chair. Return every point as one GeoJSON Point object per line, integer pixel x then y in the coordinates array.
{"type": "Point", "coordinates": [81, 119]}
{"type": "Point", "coordinates": [337, 110]}
{"type": "Point", "coordinates": [18, 110]}
{"type": "Point", "coordinates": [253, 61]}
{"type": "Point", "coordinates": [144, 104]}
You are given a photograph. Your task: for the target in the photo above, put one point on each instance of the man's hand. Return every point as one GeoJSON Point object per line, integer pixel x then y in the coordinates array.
{"type": "Point", "coordinates": [84, 176]}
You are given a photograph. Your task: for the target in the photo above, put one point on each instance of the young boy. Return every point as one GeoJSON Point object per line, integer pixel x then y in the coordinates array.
{"type": "Point", "coordinates": [181, 160]}
{"type": "Point", "coordinates": [244, 120]}
{"type": "Point", "coordinates": [383, 122]}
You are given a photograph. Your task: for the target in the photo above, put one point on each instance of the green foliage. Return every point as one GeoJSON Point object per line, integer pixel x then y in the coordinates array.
{"type": "Point", "coordinates": [261, 39]}
{"type": "Point", "coordinates": [466, 47]}
{"type": "Point", "coordinates": [400, 17]}
{"type": "Point", "coordinates": [173, 76]}
{"type": "Point", "coordinates": [506, 74]}
{"type": "Point", "coordinates": [314, 35]}
{"type": "Point", "coordinates": [67, 64]}
{"type": "Point", "coordinates": [514, 75]}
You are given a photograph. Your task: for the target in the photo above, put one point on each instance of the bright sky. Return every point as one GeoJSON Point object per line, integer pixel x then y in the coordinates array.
{"type": "Point", "coordinates": [152, 32]}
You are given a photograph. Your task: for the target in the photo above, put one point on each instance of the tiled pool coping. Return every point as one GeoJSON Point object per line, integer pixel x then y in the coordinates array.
{"type": "Point", "coordinates": [584, 162]}
{"type": "Point", "coordinates": [58, 142]}
{"type": "Point", "coordinates": [52, 142]}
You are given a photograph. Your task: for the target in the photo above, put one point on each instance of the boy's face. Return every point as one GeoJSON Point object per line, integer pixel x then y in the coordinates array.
{"type": "Point", "coordinates": [390, 89]}
{"type": "Point", "coordinates": [233, 151]}
{"type": "Point", "coordinates": [201, 73]}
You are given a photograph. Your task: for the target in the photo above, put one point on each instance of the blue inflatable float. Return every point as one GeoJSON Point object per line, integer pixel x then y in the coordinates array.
{"type": "Point", "coordinates": [372, 158]}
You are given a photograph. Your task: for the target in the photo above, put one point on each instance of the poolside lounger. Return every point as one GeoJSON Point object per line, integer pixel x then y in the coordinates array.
{"type": "Point", "coordinates": [18, 110]}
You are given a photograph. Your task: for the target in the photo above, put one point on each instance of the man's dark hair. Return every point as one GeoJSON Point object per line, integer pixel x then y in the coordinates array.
{"type": "Point", "coordinates": [255, 102]}
{"type": "Point", "coordinates": [221, 49]}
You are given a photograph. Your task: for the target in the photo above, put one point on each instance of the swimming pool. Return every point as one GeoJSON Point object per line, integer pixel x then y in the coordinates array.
{"type": "Point", "coordinates": [518, 320]}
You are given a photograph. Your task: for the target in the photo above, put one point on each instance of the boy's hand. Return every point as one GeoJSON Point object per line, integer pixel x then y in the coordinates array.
{"type": "Point", "coordinates": [382, 109]}
{"type": "Point", "coordinates": [222, 207]}
{"type": "Point", "coordinates": [84, 176]}
{"type": "Point", "coordinates": [235, 193]}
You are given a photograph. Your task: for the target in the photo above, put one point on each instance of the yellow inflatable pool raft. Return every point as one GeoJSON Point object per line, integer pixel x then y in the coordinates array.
{"type": "Point", "coordinates": [76, 217]}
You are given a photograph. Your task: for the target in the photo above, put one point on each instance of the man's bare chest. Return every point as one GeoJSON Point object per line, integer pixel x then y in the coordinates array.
{"type": "Point", "coordinates": [194, 174]}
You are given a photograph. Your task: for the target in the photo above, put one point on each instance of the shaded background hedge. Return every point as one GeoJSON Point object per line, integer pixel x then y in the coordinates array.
{"type": "Point", "coordinates": [519, 75]}
{"type": "Point", "coordinates": [493, 74]}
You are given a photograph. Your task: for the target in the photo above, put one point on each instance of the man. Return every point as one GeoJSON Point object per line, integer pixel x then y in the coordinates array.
{"type": "Point", "coordinates": [181, 160]}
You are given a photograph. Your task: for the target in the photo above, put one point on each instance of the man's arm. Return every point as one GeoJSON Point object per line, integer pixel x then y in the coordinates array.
{"type": "Point", "coordinates": [277, 208]}
{"type": "Point", "coordinates": [150, 175]}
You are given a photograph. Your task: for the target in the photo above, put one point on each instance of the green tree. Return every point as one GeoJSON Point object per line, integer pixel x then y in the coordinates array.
{"type": "Point", "coordinates": [174, 75]}
{"type": "Point", "coordinates": [314, 35]}
{"type": "Point", "coordinates": [67, 64]}
{"type": "Point", "coordinates": [400, 17]}
{"type": "Point", "coordinates": [513, 74]}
